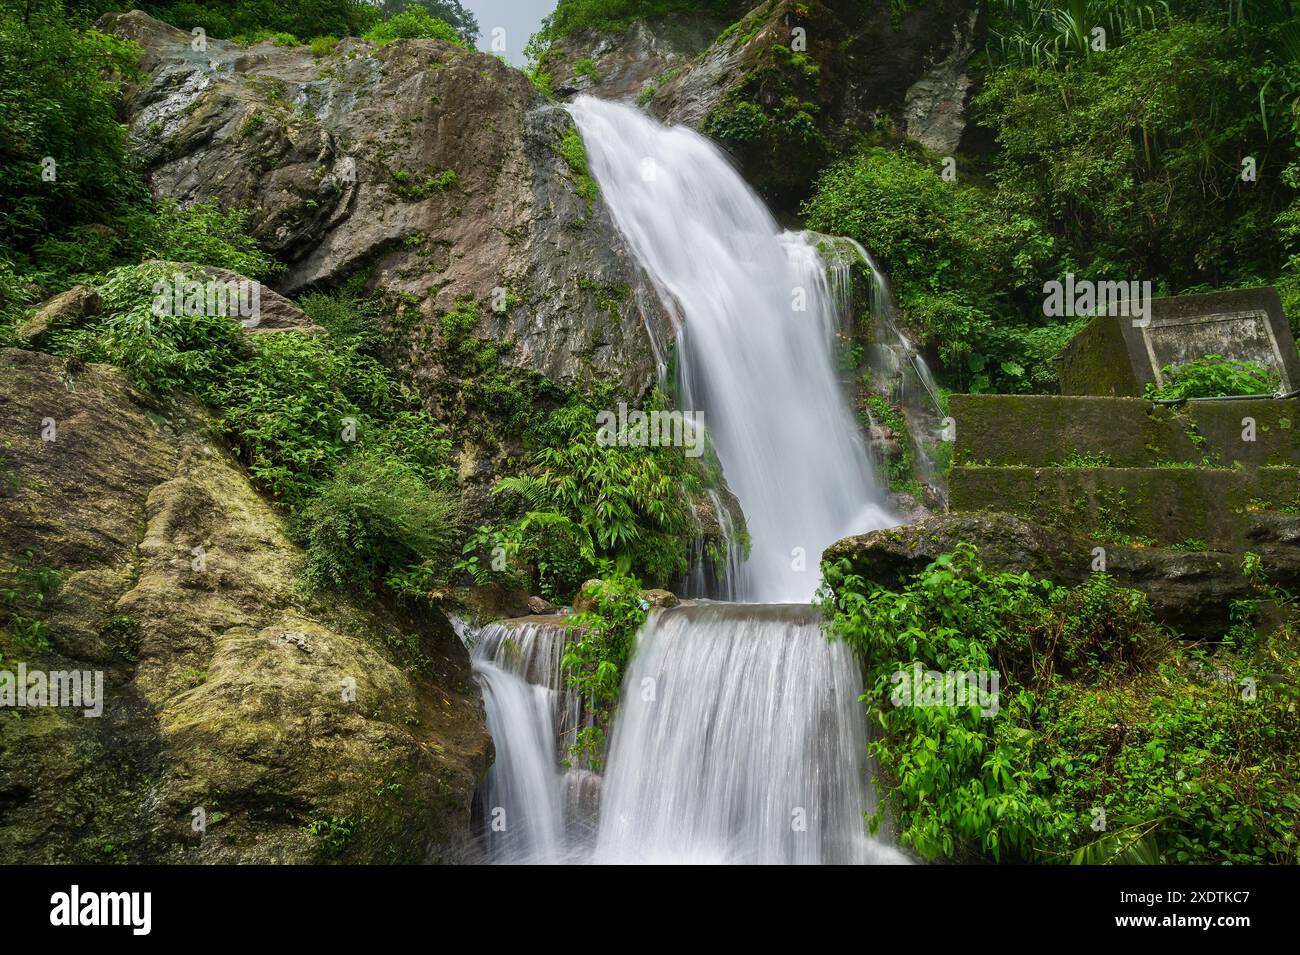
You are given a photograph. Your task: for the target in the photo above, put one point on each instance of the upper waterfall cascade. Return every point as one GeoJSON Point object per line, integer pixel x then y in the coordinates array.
{"type": "Point", "coordinates": [757, 321]}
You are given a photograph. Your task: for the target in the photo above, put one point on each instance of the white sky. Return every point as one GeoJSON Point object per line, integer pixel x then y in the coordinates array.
{"type": "Point", "coordinates": [519, 18]}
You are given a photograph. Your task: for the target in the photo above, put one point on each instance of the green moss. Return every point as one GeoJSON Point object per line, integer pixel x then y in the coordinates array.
{"type": "Point", "coordinates": [574, 154]}
{"type": "Point", "coordinates": [412, 190]}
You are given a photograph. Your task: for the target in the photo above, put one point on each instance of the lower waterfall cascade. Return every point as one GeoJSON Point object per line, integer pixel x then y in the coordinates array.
{"type": "Point", "coordinates": [739, 735]}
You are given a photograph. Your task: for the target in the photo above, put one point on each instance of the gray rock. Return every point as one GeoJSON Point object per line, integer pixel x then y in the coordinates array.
{"type": "Point", "coordinates": [434, 170]}
{"type": "Point", "coordinates": [861, 63]}
{"type": "Point", "coordinates": [540, 605]}
{"type": "Point", "coordinates": [224, 685]}
{"type": "Point", "coordinates": [625, 64]}
{"type": "Point", "coordinates": [276, 313]}
{"type": "Point", "coordinates": [67, 310]}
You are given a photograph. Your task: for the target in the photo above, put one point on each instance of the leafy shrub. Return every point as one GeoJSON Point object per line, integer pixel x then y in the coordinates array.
{"type": "Point", "coordinates": [231, 18]}
{"type": "Point", "coordinates": [376, 519]}
{"type": "Point", "coordinates": [287, 407]}
{"type": "Point", "coordinates": [1213, 377]}
{"type": "Point", "coordinates": [1098, 710]}
{"type": "Point", "coordinates": [323, 46]}
{"type": "Point", "coordinates": [414, 23]}
{"type": "Point", "coordinates": [1114, 155]}
{"type": "Point", "coordinates": [201, 232]}
{"type": "Point", "coordinates": [161, 352]}
{"type": "Point", "coordinates": [573, 15]}
{"type": "Point", "coordinates": [596, 661]}
{"type": "Point", "coordinates": [590, 506]}
{"type": "Point", "coordinates": [964, 271]}
{"type": "Point", "coordinates": [60, 103]}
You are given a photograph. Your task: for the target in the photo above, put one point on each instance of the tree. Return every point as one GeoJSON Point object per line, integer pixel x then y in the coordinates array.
{"type": "Point", "coordinates": [452, 11]}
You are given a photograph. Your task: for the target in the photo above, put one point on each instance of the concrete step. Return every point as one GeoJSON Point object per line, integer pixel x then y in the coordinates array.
{"type": "Point", "coordinates": [1046, 430]}
{"type": "Point", "coordinates": [1195, 508]}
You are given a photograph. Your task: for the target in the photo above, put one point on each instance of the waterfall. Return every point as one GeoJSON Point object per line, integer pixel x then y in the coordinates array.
{"type": "Point", "coordinates": [898, 371]}
{"type": "Point", "coordinates": [530, 715]}
{"type": "Point", "coordinates": [755, 343]}
{"type": "Point", "coordinates": [739, 735]}
{"type": "Point", "coordinates": [739, 739]}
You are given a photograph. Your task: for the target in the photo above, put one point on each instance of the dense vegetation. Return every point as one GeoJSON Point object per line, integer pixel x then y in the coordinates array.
{"type": "Point", "coordinates": [1171, 156]}
{"type": "Point", "coordinates": [1111, 741]}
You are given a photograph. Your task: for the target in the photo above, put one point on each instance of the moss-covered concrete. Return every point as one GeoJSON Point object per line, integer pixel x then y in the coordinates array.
{"type": "Point", "coordinates": [1046, 431]}
{"type": "Point", "coordinates": [1097, 362]}
{"type": "Point", "coordinates": [1197, 508]}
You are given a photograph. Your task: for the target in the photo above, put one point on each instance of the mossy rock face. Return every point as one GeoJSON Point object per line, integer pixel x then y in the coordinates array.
{"type": "Point", "coordinates": [294, 728]}
{"type": "Point", "coordinates": [1142, 505]}
{"type": "Point", "coordinates": [794, 81]}
{"type": "Point", "coordinates": [427, 168]}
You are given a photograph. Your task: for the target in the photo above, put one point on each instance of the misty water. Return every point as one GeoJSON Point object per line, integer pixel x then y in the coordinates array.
{"type": "Point", "coordinates": [739, 736]}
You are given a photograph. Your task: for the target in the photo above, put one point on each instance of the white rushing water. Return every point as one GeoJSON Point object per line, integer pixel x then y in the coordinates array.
{"type": "Point", "coordinates": [756, 343]}
{"type": "Point", "coordinates": [739, 735]}
{"type": "Point", "coordinates": [528, 713]}
{"type": "Point", "coordinates": [739, 739]}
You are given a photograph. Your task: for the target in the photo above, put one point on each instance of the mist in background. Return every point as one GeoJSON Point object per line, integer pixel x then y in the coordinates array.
{"type": "Point", "coordinates": [519, 18]}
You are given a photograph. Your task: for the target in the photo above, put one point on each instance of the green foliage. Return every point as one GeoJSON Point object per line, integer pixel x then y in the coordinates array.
{"type": "Point", "coordinates": [452, 11]}
{"type": "Point", "coordinates": [288, 405]}
{"type": "Point", "coordinates": [604, 636]}
{"type": "Point", "coordinates": [414, 23]}
{"type": "Point", "coordinates": [332, 835]}
{"type": "Point", "coordinates": [1133, 159]}
{"type": "Point", "coordinates": [323, 46]}
{"type": "Point", "coordinates": [1122, 164]}
{"type": "Point", "coordinates": [377, 519]}
{"type": "Point", "coordinates": [413, 191]}
{"type": "Point", "coordinates": [1048, 32]}
{"type": "Point", "coordinates": [590, 506]}
{"type": "Point", "coordinates": [615, 15]}
{"type": "Point", "coordinates": [27, 587]}
{"type": "Point", "coordinates": [1098, 710]}
{"type": "Point", "coordinates": [263, 18]}
{"type": "Point", "coordinates": [60, 103]}
{"type": "Point", "coordinates": [1213, 377]}
{"type": "Point", "coordinates": [160, 351]}
{"type": "Point", "coordinates": [574, 153]}
{"type": "Point", "coordinates": [956, 264]}
{"type": "Point", "coordinates": [201, 232]}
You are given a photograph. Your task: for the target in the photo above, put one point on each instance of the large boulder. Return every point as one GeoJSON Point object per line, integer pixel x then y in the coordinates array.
{"type": "Point", "coordinates": [1192, 591]}
{"type": "Point", "coordinates": [275, 312]}
{"type": "Point", "coordinates": [67, 310]}
{"type": "Point", "coordinates": [440, 174]}
{"type": "Point", "coordinates": [243, 720]}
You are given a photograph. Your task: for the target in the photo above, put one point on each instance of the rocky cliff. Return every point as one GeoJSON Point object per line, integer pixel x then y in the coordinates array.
{"type": "Point", "coordinates": [242, 721]}
{"type": "Point", "coordinates": [792, 82]}
{"type": "Point", "coordinates": [441, 174]}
